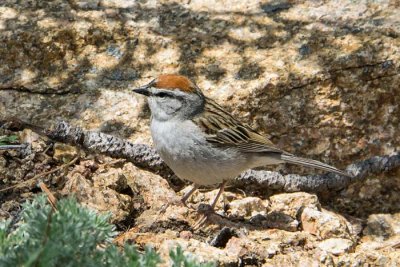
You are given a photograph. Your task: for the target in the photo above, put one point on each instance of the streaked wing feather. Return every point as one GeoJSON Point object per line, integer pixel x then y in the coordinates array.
{"type": "Point", "coordinates": [224, 130]}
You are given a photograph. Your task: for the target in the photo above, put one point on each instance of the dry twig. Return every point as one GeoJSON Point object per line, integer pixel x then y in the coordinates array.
{"type": "Point", "coordinates": [50, 197]}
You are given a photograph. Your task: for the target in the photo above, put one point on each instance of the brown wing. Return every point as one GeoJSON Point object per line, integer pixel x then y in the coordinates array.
{"type": "Point", "coordinates": [224, 130]}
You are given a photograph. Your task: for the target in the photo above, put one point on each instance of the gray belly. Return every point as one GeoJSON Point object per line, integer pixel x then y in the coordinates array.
{"type": "Point", "coordinates": [185, 150]}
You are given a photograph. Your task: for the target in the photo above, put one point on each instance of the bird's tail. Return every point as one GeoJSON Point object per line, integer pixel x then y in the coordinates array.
{"type": "Point", "coordinates": [312, 163]}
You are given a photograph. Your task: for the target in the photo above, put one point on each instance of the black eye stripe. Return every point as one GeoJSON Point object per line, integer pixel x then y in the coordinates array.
{"type": "Point", "coordinates": [163, 94]}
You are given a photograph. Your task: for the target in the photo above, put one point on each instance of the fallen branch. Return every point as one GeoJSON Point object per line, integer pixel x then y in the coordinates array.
{"type": "Point", "coordinates": [327, 183]}
{"type": "Point", "coordinates": [146, 157]}
{"type": "Point", "coordinates": [139, 154]}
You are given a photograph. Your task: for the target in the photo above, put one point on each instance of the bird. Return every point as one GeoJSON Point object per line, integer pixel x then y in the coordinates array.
{"type": "Point", "coordinates": [202, 142]}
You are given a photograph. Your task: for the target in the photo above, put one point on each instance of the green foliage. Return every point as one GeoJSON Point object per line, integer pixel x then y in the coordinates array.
{"type": "Point", "coordinates": [71, 236]}
{"type": "Point", "coordinates": [6, 140]}
{"type": "Point", "coordinates": [180, 260]}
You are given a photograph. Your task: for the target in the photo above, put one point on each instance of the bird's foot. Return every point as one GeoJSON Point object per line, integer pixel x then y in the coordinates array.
{"type": "Point", "coordinates": [206, 212]}
{"type": "Point", "coordinates": [203, 208]}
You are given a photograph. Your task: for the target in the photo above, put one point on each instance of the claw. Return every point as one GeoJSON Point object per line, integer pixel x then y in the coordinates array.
{"type": "Point", "coordinates": [199, 223]}
{"type": "Point", "coordinates": [176, 202]}
{"type": "Point", "coordinates": [205, 210]}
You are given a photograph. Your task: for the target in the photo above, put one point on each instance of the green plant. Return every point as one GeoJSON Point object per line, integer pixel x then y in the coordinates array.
{"type": "Point", "coordinates": [6, 140]}
{"type": "Point", "coordinates": [180, 260]}
{"type": "Point", "coordinates": [70, 236]}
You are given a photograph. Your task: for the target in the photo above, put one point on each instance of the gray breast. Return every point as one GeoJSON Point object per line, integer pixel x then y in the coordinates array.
{"type": "Point", "coordinates": [183, 147]}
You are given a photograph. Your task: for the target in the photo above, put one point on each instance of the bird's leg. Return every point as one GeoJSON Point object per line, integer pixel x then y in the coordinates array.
{"type": "Point", "coordinates": [221, 190]}
{"type": "Point", "coordinates": [188, 194]}
{"type": "Point", "coordinates": [206, 212]}
{"type": "Point", "coordinates": [182, 200]}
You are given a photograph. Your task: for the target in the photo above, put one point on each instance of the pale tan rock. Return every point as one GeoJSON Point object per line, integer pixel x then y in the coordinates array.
{"type": "Point", "coordinates": [373, 258]}
{"type": "Point", "coordinates": [240, 247]}
{"type": "Point", "coordinates": [99, 197]}
{"type": "Point", "coordinates": [336, 246]}
{"type": "Point", "coordinates": [369, 243]}
{"type": "Point", "coordinates": [100, 190]}
{"type": "Point", "coordinates": [30, 137]}
{"type": "Point", "coordinates": [324, 224]}
{"type": "Point", "coordinates": [272, 242]}
{"type": "Point", "coordinates": [296, 258]}
{"type": "Point", "coordinates": [185, 235]}
{"type": "Point", "coordinates": [113, 178]}
{"type": "Point", "coordinates": [292, 204]}
{"type": "Point", "coordinates": [154, 189]}
{"type": "Point", "coordinates": [249, 206]}
{"type": "Point", "coordinates": [237, 246]}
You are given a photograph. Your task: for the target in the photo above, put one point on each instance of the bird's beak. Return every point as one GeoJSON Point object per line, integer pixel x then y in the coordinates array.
{"type": "Point", "coordinates": [143, 90]}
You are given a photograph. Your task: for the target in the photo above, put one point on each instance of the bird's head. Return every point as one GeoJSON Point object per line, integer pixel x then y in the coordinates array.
{"type": "Point", "coordinates": [172, 96]}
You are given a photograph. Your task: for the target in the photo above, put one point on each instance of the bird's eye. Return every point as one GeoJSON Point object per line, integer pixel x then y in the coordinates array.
{"type": "Point", "coordinates": [162, 94]}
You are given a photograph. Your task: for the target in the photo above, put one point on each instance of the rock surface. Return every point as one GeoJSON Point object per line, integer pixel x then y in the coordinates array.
{"type": "Point", "coordinates": [294, 203]}
{"type": "Point", "coordinates": [320, 79]}
{"type": "Point", "coordinates": [336, 246]}
{"type": "Point", "coordinates": [247, 207]}
{"type": "Point", "coordinates": [383, 225]}
{"type": "Point", "coordinates": [324, 224]}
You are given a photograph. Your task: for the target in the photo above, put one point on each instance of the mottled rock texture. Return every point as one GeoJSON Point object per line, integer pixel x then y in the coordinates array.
{"type": "Point", "coordinates": [321, 79]}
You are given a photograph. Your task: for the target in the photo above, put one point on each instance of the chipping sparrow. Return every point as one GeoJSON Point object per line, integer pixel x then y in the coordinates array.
{"type": "Point", "coordinates": [203, 143]}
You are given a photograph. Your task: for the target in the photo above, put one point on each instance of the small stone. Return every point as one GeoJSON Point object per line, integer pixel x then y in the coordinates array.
{"type": "Point", "coordinates": [281, 221]}
{"type": "Point", "coordinates": [249, 206]}
{"type": "Point", "coordinates": [237, 246]}
{"type": "Point", "coordinates": [30, 137]}
{"type": "Point", "coordinates": [64, 153]}
{"type": "Point", "coordinates": [324, 224]}
{"type": "Point", "coordinates": [222, 237]}
{"type": "Point", "coordinates": [185, 235]}
{"type": "Point", "coordinates": [292, 204]}
{"type": "Point", "coordinates": [336, 246]}
{"type": "Point", "coordinates": [383, 226]}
